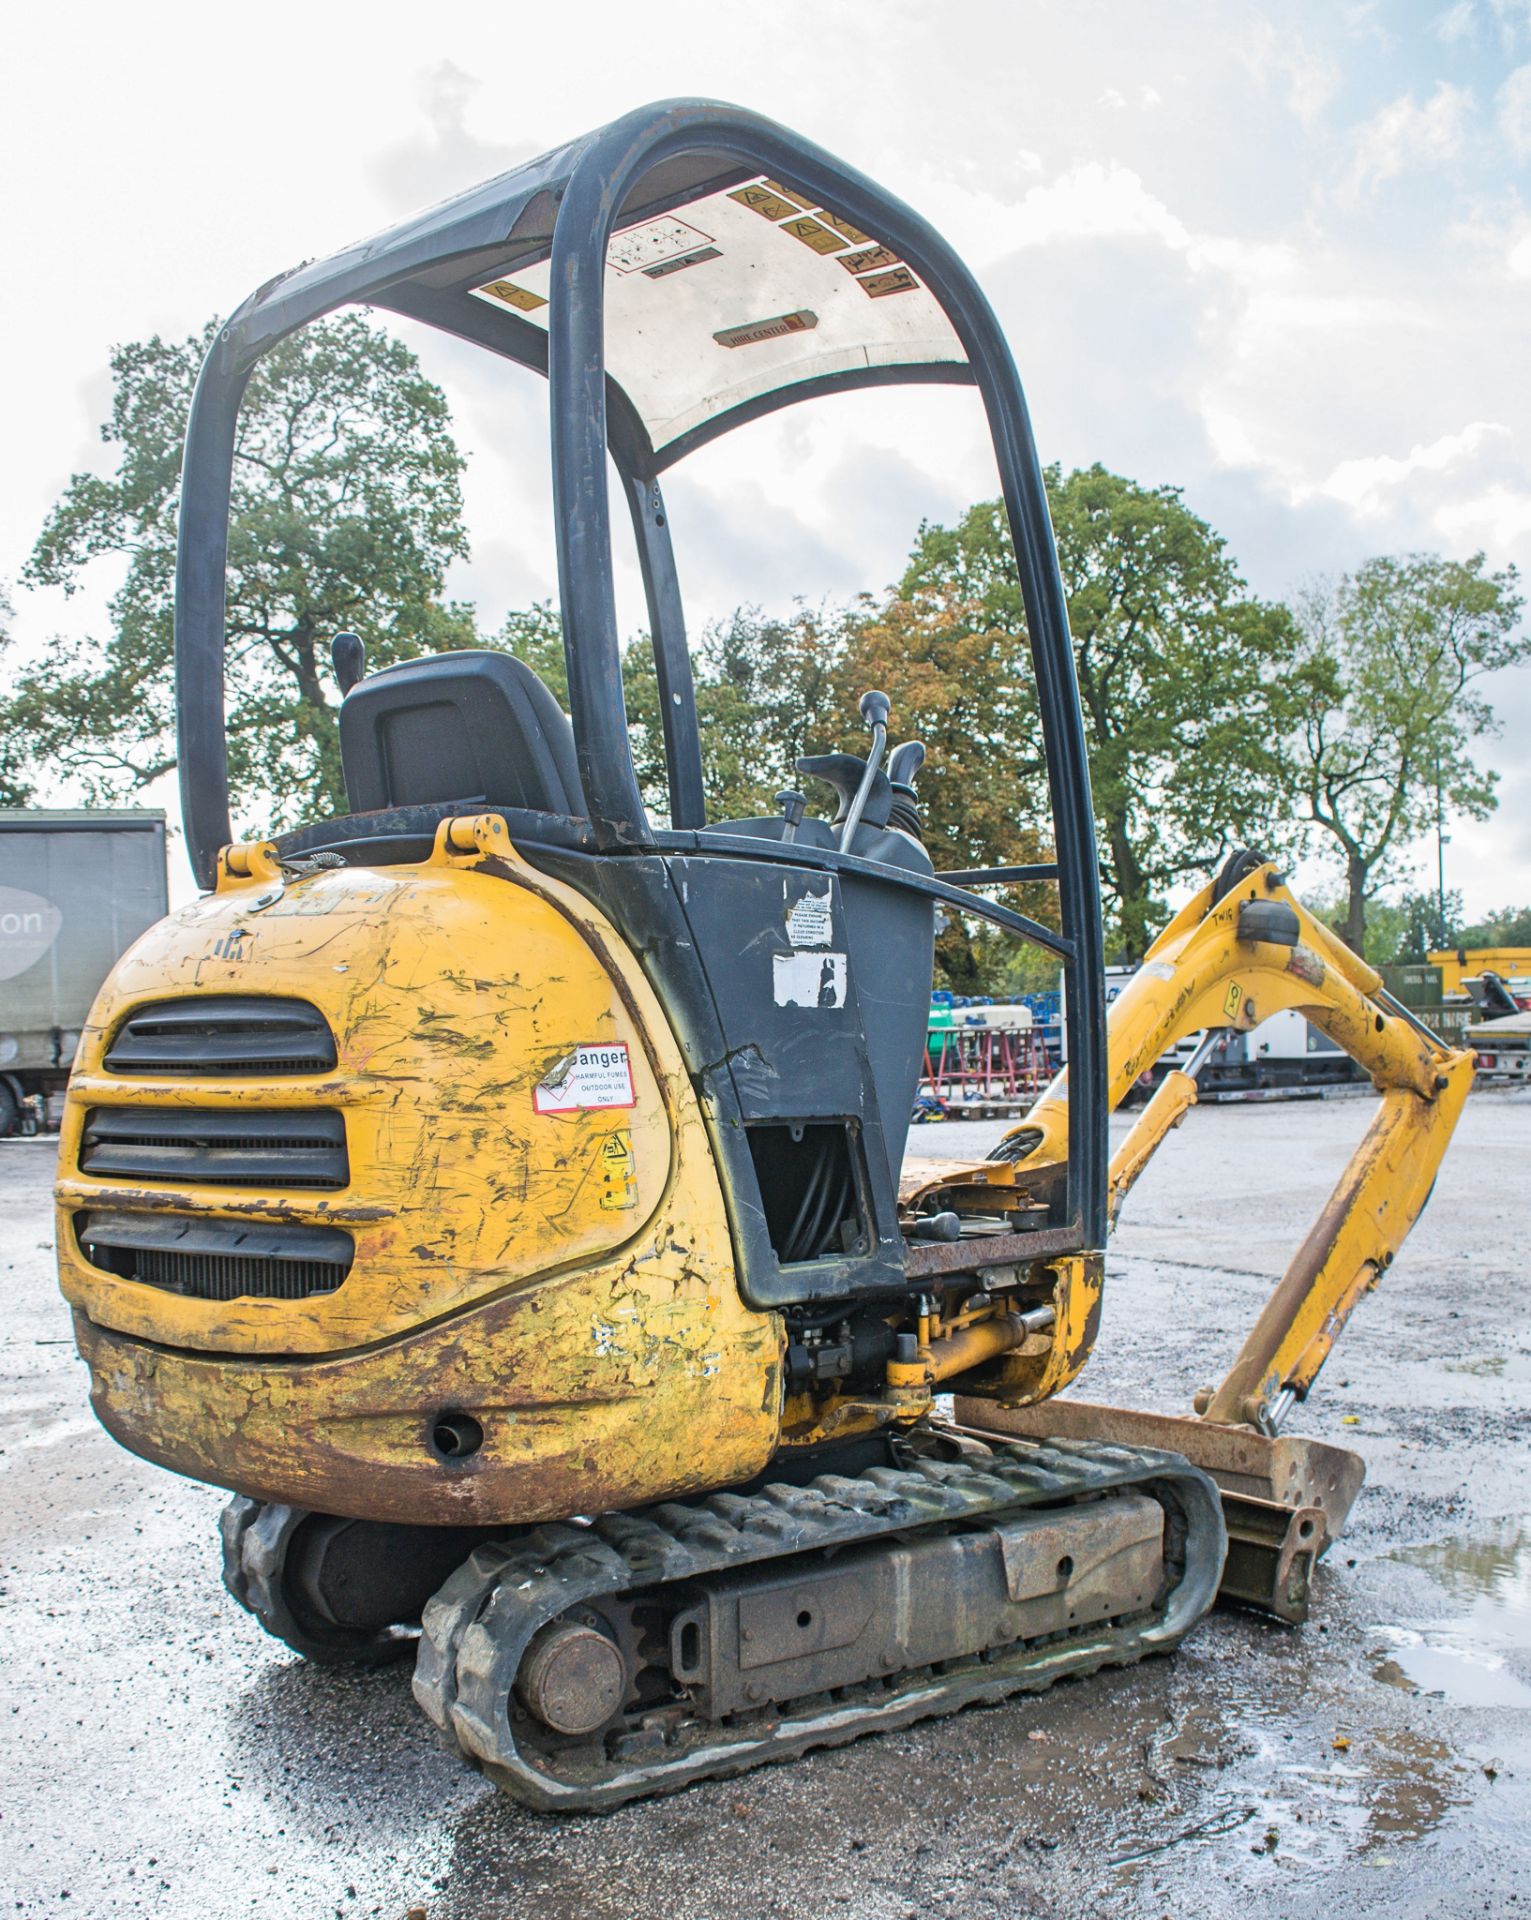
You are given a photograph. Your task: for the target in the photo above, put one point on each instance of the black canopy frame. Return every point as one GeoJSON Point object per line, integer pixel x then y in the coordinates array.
{"type": "Point", "coordinates": [567, 205]}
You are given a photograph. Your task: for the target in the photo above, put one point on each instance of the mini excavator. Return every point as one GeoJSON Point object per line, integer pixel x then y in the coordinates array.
{"type": "Point", "coordinates": [503, 1195]}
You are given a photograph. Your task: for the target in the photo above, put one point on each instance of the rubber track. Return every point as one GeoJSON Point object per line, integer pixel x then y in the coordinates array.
{"type": "Point", "coordinates": [478, 1624]}
{"type": "Point", "coordinates": [256, 1536]}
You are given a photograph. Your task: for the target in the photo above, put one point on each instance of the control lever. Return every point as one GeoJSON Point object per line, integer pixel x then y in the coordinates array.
{"type": "Point", "coordinates": [875, 708]}
{"type": "Point", "coordinates": [793, 805]}
{"type": "Point", "coordinates": [905, 762]}
{"type": "Point", "coordinates": [349, 658]}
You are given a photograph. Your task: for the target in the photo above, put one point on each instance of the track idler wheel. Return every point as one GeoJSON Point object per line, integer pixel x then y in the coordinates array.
{"type": "Point", "coordinates": [339, 1592]}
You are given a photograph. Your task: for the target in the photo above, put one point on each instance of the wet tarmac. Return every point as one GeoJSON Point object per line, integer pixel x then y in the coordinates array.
{"type": "Point", "coordinates": [164, 1757]}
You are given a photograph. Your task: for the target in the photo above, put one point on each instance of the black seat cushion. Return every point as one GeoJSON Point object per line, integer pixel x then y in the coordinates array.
{"type": "Point", "coordinates": [473, 726]}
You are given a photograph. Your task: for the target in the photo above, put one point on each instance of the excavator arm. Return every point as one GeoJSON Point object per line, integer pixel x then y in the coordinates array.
{"type": "Point", "coordinates": [1234, 956]}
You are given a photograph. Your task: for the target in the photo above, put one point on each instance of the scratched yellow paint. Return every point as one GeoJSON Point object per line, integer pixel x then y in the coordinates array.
{"type": "Point", "coordinates": [606, 1350]}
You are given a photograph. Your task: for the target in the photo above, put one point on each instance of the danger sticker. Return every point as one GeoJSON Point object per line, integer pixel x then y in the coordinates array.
{"type": "Point", "coordinates": [808, 979]}
{"type": "Point", "coordinates": [593, 1076]}
{"type": "Point", "coordinates": [854, 234]}
{"type": "Point", "coordinates": [522, 298]}
{"type": "Point", "coordinates": [760, 199]}
{"type": "Point", "coordinates": [813, 234]}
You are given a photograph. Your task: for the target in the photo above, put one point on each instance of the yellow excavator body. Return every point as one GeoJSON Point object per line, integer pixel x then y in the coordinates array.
{"type": "Point", "coordinates": [562, 1277]}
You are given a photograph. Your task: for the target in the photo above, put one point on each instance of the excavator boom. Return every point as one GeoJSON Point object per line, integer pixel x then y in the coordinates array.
{"type": "Point", "coordinates": [1241, 951]}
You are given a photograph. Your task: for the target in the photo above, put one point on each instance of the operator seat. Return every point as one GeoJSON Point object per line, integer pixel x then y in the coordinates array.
{"type": "Point", "coordinates": [475, 726]}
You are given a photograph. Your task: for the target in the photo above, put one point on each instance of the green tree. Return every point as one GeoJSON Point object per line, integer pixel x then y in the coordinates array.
{"type": "Point", "coordinates": [15, 790]}
{"type": "Point", "coordinates": [1389, 707]}
{"type": "Point", "coordinates": [346, 512]}
{"type": "Point", "coordinates": [1509, 927]}
{"type": "Point", "coordinates": [1181, 675]}
{"type": "Point", "coordinates": [767, 691]}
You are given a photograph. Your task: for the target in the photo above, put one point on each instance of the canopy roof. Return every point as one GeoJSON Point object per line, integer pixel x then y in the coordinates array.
{"type": "Point", "coordinates": [727, 293]}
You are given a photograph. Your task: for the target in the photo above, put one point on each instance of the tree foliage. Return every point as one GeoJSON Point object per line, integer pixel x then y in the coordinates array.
{"type": "Point", "coordinates": [15, 789]}
{"type": "Point", "coordinates": [1180, 673]}
{"type": "Point", "coordinates": [346, 512]}
{"type": "Point", "coordinates": [1389, 707]}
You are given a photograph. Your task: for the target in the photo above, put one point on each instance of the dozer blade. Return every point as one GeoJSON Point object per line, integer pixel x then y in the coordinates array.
{"type": "Point", "coordinates": [1285, 1500]}
{"type": "Point", "coordinates": [583, 1666]}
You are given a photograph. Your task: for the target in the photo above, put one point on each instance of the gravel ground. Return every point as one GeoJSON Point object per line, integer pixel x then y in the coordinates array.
{"type": "Point", "coordinates": [166, 1758]}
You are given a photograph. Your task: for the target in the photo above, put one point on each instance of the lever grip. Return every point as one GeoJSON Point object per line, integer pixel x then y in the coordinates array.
{"type": "Point", "coordinates": [349, 658]}
{"type": "Point", "coordinates": [906, 762]}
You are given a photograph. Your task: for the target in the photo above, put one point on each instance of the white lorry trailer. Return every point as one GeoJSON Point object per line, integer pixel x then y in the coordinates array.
{"type": "Point", "coordinates": [77, 886]}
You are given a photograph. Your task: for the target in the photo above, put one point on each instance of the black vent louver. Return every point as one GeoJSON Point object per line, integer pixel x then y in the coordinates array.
{"type": "Point", "coordinates": [223, 1034]}
{"type": "Point", "coordinates": [265, 1147]}
{"type": "Point", "coordinates": [217, 1259]}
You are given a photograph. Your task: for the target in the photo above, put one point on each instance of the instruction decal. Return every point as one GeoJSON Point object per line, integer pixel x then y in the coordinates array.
{"type": "Point", "coordinates": [595, 1076]}
{"type": "Point", "coordinates": [808, 979]}
{"type": "Point", "coordinates": [871, 260]}
{"type": "Point", "coordinates": [618, 1172]}
{"type": "Point", "coordinates": [637, 249]}
{"type": "Point", "coordinates": [877, 286]}
{"type": "Point", "coordinates": [1233, 999]}
{"type": "Point", "coordinates": [811, 920]}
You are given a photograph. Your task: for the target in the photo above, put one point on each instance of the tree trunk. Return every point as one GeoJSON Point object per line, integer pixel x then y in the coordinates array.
{"type": "Point", "coordinates": [1356, 872]}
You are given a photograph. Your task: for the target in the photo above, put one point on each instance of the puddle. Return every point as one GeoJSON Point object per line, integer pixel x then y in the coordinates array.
{"type": "Point", "coordinates": [1463, 1659]}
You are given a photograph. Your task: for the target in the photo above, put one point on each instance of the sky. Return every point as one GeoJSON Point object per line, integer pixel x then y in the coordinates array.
{"type": "Point", "coordinates": [1278, 256]}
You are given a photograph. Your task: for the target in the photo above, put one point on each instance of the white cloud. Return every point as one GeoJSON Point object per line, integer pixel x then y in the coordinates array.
{"type": "Point", "coordinates": [1518, 259]}
{"type": "Point", "coordinates": [1364, 484]}
{"type": "Point", "coordinates": [1405, 134]}
{"type": "Point", "coordinates": [1458, 22]}
{"type": "Point", "coordinates": [1498, 518]}
{"type": "Point", "coordinates": [1113, 99]}
{"type": "Point", "coordinates": [1513, 101]}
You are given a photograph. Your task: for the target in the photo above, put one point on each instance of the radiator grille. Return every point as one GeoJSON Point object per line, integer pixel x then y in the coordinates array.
{"type": "Point", "coordinates": [217, 1259]}
{"type": "Point", "coordinates": [272, 1147]}
{"type": "Point", "coordinates": [223, 1034]}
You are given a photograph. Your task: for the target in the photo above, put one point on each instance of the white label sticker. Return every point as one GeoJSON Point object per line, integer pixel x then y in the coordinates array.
{"type": "Point", "coordinates": [593, 1076]}
{"type": "Point", "coordinates": [811, 921]}
{"type": "Point", "coordinates": [808, 979]}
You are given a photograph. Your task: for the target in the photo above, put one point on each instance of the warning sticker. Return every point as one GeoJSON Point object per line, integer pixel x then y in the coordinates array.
{"type": "Point", "coordinates": [757, 330]}
{"type": "Point", "coordinates": [870, 260]}
{"type": "Point", "coordinates": [879, 285]}
{"type": "Point", "coordinates": [593, 1076]}
{"type": "Point", "coordinates": [810, 921]}
{"type": "Point", "coordinates": [761, 199]}
{"type": "Point", "coordinates": [808, 979]}
{"type": "Point", "coordinates": [1233, 999]}
{"type": "Point", "coordinates": [813, 234]}
{"type": "Point", "coordinates": [787, 193]}
{"type": "Point", "coordinates": [514, 296]}
{"type": "Point", "coordinates": [843, 227]}
{"type": "Point", "coordinates": [618, 1172]}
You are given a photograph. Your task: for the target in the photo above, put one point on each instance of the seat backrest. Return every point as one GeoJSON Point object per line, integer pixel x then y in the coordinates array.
{"type": "Point", "coordinates": [472, 726]}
